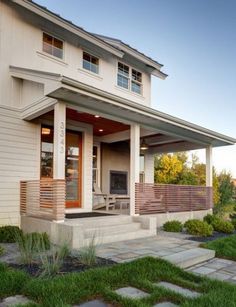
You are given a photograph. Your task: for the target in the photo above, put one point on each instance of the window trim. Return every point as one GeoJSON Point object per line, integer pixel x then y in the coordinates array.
{"type": "Point", "coordinates": [87, 70]}
{"type": "Point", "coordinates": [130, 80]}
{"type": "Point", "coordinates": [51, 55]}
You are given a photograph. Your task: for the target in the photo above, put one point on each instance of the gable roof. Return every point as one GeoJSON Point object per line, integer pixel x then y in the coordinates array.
{"type": "Point", "coordinates": [112, 45]}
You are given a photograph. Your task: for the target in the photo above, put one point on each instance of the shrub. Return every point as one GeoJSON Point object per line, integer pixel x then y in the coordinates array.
{"type": "Point", "coordinates": [2, 250]}
{"type": "Point", "coordinates": [52, 261]}
{"type": "Point", "coordinates": [199, 228]}
{"type": "Point", "coordinates": [88, 253]}
{"type": "Point", "coordinates": [8, 234]}
{"type": "Point", "coordinates": [233, 221]}
{"type": "Point", "coordinates": [223, 226]}
{"type": "Point", "coordinates": [173, 226]}
{"type": "Point", "coordinates": [211, 218]}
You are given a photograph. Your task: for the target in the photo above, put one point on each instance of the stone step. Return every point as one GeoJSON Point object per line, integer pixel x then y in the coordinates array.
{"type": "Point", "coordinates": [141, 233]}
{"type": "Point", "coordinates": [190, 257]}
{"type": "Point", "coordinates": [111, 229]}
{"type": "Point", "coordinates": [101, 221]}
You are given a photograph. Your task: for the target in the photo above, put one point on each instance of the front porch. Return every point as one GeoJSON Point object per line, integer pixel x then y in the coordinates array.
{"type": "Point", "coordinates": [88, 137]}
{"type": "Point", "coordinates": [91, 162]}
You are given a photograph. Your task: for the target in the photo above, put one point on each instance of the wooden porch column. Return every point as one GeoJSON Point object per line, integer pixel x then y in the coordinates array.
{"type": "Point", "coordinates": [209, 171]}
{"type": "Point", "coordinates": [59, 141]}
{"type": "Point", "coordinates": [134, 163]}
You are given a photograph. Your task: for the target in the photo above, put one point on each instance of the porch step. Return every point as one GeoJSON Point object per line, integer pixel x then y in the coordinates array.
{"type": "Point", "coordinates": [97, 222]}
{"type": "Point", "coordinates": [112, 229]}
{"type": "Point", "coordinates": [190, 257]}
{"type": "Point", "coordinates": [141, 233]}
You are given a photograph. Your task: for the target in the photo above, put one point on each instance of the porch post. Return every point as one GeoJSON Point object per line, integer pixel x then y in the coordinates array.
{"type": "Point", "coordinates": [209, 173]}
{"type": "Point", "coordinates": [134, 163]}
{"type": "Point", "coordinates": [59, 141]}
{"type": "Point", "coordinates": [59, 161]}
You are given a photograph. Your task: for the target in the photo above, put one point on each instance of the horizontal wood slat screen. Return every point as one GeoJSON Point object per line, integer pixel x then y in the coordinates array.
{"type": "Point", "coordinates": [43, 198]}
{"type": "Point", "coordinates": [161, 198]}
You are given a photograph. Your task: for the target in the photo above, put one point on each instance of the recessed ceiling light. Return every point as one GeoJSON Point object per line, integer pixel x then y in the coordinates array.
{"type": "Point", "coordinates": [100, 130]}
{"type": "Point", "coordinates": [97, 116]}
{"type": "Point", "coordinates": [46, 131]}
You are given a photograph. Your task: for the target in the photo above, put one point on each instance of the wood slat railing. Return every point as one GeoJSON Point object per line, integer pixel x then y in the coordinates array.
{"type": "Point", "coordinates": [43, 198]}
{"type": "Point", "coordinates": [162, 198]}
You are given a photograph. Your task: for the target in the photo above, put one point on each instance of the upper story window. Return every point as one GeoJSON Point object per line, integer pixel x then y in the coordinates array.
{"type": "Point", "coordinates": [52, 45]}
{"type": "Point", "coordinates": [123, 75]}
{"type": "Point", "coordinates": [136, 83]}
{"type": "Point", "coordinates": [90, 62]}
{"type": "Point", "coordinates": [129, 78]}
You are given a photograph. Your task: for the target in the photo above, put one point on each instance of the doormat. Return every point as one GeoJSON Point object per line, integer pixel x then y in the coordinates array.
{"type": "Point", "coordinates": [86, 214]}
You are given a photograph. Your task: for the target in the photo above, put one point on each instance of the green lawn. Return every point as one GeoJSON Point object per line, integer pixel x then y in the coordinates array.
{"type": "Point", "coordinates": [224, 247]}
{"type": "Point", "coordinates": [78, 287]}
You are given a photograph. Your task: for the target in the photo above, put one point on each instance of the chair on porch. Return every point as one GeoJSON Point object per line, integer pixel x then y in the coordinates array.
{"type": "Point", "coordinates": [102, 200]}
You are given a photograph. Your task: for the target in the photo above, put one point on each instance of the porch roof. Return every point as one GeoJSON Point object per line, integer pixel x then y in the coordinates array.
{"type": "Point", "coordinates": [93, 100]}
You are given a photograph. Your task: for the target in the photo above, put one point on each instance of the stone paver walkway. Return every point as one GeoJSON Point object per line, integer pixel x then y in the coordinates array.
{"type": "Point", "coordinates": [165, 304]}
{"type": "Point", "coordinates": [93, 303]}
{"type": "Point", "coordinates": [132, 292]}
{"type": "Point", "coordinates": [178, 289]}
{"type": "Point", "coordinates": [14, 300]}
{"type": "Point", "coordinates": [158, 246]}
{"type": "Point", "coordinates": [217, 268]}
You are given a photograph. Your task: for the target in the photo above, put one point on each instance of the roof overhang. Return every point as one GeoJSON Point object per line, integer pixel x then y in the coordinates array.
{"type": "Point", "coordinates": [67, 25]}
{"type": "Point", "coordinates": [113, 46]}
{"type": "Point", "coordinates": [96, 101]}
{"type": "Point", "coordinates": [153, 66]}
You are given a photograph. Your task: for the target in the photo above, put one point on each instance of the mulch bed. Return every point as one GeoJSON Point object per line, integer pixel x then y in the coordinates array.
{"type": "Point", "coordinates": [215, 235]}
{"type": "Point", "coordinates": [70, 264]}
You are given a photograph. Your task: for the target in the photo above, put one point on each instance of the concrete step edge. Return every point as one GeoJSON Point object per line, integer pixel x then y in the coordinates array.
{"type": "Point", "coordinates": [188, 258]}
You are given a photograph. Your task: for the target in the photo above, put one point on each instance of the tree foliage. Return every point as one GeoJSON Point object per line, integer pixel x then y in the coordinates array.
{"type": "Point", "coordinates": [177, 168]}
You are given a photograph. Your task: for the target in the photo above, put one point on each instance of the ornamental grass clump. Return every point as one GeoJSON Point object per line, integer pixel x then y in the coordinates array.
{"type": "Point", "coordinates": [87, 254]}
{"type": "Point", "coordinates": [198, 228]}
{"type": "Point", "coordinates": [52, 260]}
{"type": "Point", "coordinates": [30, 244]}
{"type": "Point", "coordinates": [173, 226]}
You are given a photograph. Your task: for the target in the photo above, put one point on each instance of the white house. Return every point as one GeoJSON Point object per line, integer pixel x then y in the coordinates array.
{"type": "Point", "coordinates": [75, 112]}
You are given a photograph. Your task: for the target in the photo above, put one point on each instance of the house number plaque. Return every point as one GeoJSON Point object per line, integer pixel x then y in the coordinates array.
{"type": "Point", "coordinates": [62, 137]}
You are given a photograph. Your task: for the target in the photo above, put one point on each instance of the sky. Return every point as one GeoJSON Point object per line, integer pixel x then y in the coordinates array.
{"type": "Point", "coordinates": [196, 42]}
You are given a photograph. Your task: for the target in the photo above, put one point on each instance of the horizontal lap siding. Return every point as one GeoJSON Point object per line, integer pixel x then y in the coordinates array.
{"type": "Point", "coordinates": [19, 160]}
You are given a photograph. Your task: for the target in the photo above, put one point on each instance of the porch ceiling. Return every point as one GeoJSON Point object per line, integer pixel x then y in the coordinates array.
{"type": "Point", "coordinates": [88, 99]}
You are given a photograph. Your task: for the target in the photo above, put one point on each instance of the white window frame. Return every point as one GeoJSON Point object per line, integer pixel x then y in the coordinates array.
{"type": "Point", "coordinates": [88, 70]}
{"type": "Point", "coordinates": [51, 55]}
{"type": "Point", "coordinates": [130, 80]}
{"type": "Point", "coordinates": [98, 168]}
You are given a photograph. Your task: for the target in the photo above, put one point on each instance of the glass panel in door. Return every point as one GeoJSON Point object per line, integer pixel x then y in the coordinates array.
{"type": "Point", "coordinates": [73, 169]}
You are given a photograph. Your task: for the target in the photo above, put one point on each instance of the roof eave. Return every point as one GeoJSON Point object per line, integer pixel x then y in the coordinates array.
{"type": "Point", "coordinates": [45, 13]}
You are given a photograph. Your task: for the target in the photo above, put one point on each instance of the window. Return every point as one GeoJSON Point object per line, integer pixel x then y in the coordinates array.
{"type": "Point", "coordinates": [46, 152]}
{"type": "Point", "coordinates": [52, 45]}
{"type": "Point", "coordinates": [95, 166]}
{"type": "Point", "coordinates": [141, 168]}
{"type": "Point", "coordinates": [123, 76]}
{"type": "Point", "coordinates": [136, 83]}
{"type": "Point", "coordinates": [133, 82]}
{"type": "Point", "coordinates": [90, 62]}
